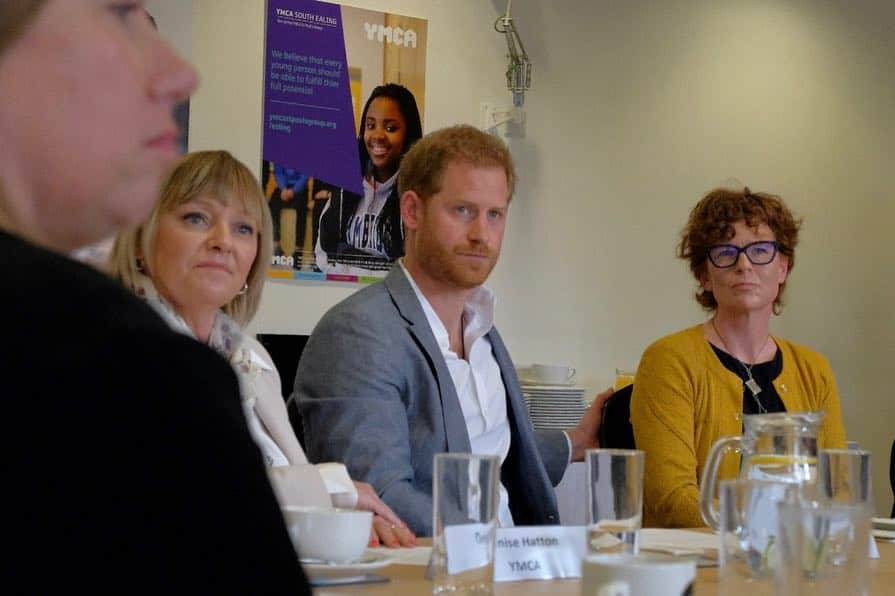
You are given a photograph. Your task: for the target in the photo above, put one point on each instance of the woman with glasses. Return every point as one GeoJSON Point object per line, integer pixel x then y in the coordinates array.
{"type": "Point", "coordinates": [692, 387]}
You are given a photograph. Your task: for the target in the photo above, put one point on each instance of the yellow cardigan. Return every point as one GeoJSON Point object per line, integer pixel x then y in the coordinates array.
{"type": "Point", "coordinates": [685, 399]}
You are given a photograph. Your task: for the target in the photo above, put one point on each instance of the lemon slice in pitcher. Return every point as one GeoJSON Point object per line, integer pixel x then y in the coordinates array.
{"type": "Point", "coordinates": [781, 459]}
{"type": "Point", "coordinates": [781, 467]}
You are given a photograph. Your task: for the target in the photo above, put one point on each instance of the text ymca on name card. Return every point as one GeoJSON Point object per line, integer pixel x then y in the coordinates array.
{"type": "Point", "coordinates": [539, 552]}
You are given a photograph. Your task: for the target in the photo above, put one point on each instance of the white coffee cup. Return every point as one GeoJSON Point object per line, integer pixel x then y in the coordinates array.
{"type": "Point", "coordinates": [551, 374]}
{"type": "Point", "coordinates": [328, 534]}
{"type": "Point", "coordinates": [632, 575]}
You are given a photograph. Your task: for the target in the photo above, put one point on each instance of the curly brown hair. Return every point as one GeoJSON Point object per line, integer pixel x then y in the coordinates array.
{"type": "Point", "coordinates": [711, 222]}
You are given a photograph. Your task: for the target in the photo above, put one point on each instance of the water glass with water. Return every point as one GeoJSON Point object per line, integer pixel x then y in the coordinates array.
{"type": "Point", "coordinates": [614, 481]}
{"type": "Point", "coordinates": [748, 541]}
{"type": "Point", "coordinates": [843, 476]}
{"type": "Point", "coordinates": [824, 548]}
{"type": "Point", "coordinates": [465, 491]}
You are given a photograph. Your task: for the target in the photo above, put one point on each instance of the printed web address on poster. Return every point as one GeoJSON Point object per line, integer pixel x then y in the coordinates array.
{"type": "Point", "coordinates": [284, 122]}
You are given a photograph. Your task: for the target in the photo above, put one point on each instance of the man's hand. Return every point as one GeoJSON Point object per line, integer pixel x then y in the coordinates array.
{"type": "Point", "coordinates": [584, 436]}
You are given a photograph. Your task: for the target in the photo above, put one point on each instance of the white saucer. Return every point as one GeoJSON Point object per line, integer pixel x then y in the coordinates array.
{"type": "Point", "coordinates": [370, 560]}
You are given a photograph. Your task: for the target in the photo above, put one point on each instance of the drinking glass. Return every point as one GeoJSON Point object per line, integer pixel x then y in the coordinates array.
{"type": "Point", "coordinates": [465, 497]}
{"type": "Point", "coordinates": [824, 548]}
{"type": "Point", "coordinates": [843, 476]}
{"type": "Point", "coordinates": [747, 553]}
{"type": "Point", "coordinates": [614, 480]}
{"type": "Point", "coordinates": [623, 378]}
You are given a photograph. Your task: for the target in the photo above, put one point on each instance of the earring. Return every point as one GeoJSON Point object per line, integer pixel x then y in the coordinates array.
{"type": "Point", "coordinates": [245, 288]}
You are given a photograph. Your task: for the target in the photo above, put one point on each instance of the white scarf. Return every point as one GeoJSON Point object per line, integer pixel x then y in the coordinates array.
{"type": "Point", "coordinates": [226, 337]}
{"type": "Point", "coordinates": [294, 480]}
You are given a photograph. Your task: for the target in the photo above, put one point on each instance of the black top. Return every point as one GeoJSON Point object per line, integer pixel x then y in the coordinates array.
{"type": "Point", "coordinates": [128, 464]}
{"type": "Point", "coordinates": [892, 474]}
{"type": "Point", "coordinates": [764, 374]}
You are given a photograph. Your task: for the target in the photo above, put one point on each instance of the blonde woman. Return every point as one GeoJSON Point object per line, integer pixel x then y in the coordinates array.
{"type": "Point", "coordinates": [200, 260]}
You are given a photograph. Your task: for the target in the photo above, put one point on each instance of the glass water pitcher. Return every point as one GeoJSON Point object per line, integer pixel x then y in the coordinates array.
{"type": "Point", "coordinates": [780, 447]}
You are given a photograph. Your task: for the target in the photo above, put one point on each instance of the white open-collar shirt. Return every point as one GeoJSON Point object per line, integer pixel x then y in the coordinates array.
{"type": "Point", "coordinates": [477, 380]}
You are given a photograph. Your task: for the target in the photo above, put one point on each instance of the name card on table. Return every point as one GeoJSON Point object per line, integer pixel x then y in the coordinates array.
{"type": "Point", "coordinates": [539, 552]}
{"type": "Point", "coordinates": [468, 546]}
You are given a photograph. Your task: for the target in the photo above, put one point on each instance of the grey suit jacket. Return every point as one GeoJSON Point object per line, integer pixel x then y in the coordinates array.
{"type": "Point", "coordinates": [374, 392]}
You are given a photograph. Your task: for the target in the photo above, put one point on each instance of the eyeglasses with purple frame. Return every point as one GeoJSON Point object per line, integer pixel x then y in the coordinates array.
{"type": "Point", "coordinates": [761, 252]}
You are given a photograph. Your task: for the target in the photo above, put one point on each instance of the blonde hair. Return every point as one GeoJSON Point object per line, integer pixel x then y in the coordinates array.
{"type": "Point", "coordinates": [219, 176]}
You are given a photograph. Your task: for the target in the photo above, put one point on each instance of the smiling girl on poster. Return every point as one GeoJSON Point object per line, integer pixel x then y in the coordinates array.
{"type": "Point", "coordinates": [360, 234]}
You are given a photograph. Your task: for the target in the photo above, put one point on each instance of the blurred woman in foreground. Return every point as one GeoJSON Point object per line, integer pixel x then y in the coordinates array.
{"type": "Point", "coordinates": [127, 461]}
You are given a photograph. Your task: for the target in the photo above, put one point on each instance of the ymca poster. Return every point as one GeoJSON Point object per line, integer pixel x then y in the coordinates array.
{"type": "Point", "coordinates": [344, 98]}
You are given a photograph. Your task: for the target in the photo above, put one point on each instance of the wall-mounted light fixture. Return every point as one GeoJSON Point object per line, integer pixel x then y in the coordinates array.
{"type": "Point", "coordinates": [519, 67]}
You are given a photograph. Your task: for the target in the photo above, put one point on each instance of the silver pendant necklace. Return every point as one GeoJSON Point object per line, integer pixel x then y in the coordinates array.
{"type": "Point", "coordinates": [750, 382]}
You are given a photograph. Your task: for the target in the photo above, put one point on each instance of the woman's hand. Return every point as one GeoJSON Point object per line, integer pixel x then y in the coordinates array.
{"type": "Point", "coordinates": [388, 528]}
{"type": "Point", "coordinates": [392, 535]}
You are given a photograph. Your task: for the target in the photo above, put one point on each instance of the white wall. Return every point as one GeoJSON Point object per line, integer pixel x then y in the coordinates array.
{"type": "Point", "coordinates": [637, 109]}
{"type": "Point", "coordinates": [175, 23]}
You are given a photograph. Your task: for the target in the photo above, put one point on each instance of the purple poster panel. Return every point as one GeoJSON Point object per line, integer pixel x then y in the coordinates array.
{"type": "Point", "coordinates": [344, 95]}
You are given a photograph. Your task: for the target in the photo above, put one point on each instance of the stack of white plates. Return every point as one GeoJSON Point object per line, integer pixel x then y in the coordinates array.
{"type": "Point", "coordinates": [884, 528]}
{"type": "Point", "coordinates": [553, 407]}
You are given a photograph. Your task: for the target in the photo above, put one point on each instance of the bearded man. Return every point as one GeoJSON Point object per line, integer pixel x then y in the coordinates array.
{"type": "Point", "coordinates": [413, 366]}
